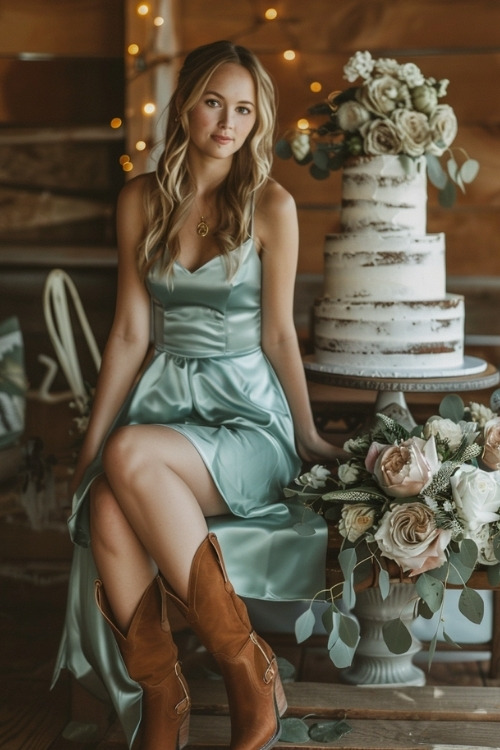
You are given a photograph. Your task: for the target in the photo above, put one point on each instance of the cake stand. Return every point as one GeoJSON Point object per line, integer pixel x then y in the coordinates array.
{"type": "Point", "coordinates": [475, 375]}
{"type": "Point", "coordinates": [373, 663]}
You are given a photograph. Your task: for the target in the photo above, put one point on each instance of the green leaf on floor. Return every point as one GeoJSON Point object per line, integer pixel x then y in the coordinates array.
{"type": "Point", "coordinates": [294, 730]}
{"type": "Point", "coordinates": [329, 731]}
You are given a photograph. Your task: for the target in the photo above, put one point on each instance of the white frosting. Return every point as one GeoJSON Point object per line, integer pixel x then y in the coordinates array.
{"type": "Point", "coordinates": [378, 194]}
{"type": "Point", "coordinates": [374, 266]}
{"type": "Point", "coordinates": [424, 335]}
{"type": "Point", "coordinates": [385, 306]}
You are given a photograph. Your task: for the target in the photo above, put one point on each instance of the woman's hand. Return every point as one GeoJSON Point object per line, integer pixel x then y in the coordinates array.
{"type": "Point", "coordinates": [318, 450]}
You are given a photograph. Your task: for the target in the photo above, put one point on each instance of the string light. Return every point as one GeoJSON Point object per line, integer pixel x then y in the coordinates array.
{"type": "Point", "coordinates": [315, 87]}
{"type": "Point", "coordinates": [303, 124]}
{"type": "Point", "coordinates": [116, 123]}
{"type": "Point", "coordinates": [271, 14]}
{"type": "Point", "coordinates": [143, 9]}
{"type": "Point", "coordinates": [133, 49]}
{"type": "Point", "coordinates": [149, 108]}
{"type": "Point", "coordinates": [158, 21]}
{"type": "Point", "coordinates": [141, 145]}
{"type": "Point", "coordinates": [289, 54]}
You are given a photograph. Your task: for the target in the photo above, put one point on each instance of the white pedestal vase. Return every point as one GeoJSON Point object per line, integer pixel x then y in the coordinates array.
{"type": "Point", "coordinates": [373, 663]}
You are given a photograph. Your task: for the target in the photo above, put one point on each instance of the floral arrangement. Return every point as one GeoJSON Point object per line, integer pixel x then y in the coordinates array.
{"type": "Point", "coordinates": [426, 502]}
{"type": "Point", "coordinates": [394, 110]}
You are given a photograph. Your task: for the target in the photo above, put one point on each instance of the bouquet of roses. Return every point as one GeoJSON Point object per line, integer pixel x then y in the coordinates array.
{"type": "Point", "coordinates": [426, 502]}
{"type": "Point", "coordinates": [394, 110]}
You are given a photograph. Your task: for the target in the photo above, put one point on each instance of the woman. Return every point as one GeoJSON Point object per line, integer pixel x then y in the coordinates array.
{"type": "Point", "coordinates": [211, 426]}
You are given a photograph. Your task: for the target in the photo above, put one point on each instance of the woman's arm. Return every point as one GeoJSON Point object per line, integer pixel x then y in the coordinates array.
{"type": "Point", "coordinates": [128, 339]}
{"type": "Point", "coordinates": [277, 231]}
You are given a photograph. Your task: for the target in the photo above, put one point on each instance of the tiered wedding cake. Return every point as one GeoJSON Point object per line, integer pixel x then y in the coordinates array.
{"type": "Point", "coordinates": [384, 309]}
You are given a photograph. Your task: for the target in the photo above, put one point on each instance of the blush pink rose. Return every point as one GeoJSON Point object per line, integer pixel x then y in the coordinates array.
{"type": "Point", "coordinates": [491, 450]}
{"type": "Point", "coordinates": [408, 535]}
{"type": "Point", "coordinates": [403, 470]}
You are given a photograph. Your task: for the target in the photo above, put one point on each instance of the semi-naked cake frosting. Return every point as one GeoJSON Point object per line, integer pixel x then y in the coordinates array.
{"type": "Point", "coordinates": [384, 309]}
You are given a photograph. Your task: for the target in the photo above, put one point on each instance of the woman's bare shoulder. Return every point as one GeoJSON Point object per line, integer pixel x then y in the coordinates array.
{"type": "Point", "coordinates": [136, 187]}
{"type": "Point", "coordinates": [273, 198]}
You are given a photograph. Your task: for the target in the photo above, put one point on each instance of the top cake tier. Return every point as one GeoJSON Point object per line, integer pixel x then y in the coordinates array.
{"type": "Point", "coordinates": [379, 195]}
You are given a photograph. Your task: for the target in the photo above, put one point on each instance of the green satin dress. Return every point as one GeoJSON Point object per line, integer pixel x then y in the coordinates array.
{"type": "Point", "coordinates": [210, 381]}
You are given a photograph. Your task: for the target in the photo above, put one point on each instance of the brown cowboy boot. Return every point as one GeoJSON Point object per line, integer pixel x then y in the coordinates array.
{"type": "Point", "coordinates": [249, 668]}
{"type": "Point", "coordinates": [150, 656]}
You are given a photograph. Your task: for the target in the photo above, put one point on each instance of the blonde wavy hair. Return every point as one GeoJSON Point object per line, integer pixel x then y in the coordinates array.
{"type": "Point", "coordinates": [171, 195]}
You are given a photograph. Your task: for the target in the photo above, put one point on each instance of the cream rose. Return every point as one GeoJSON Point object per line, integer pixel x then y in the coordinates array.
{"type": "Point", "coordinates": [477, 496]}
{"type": "Point", "coordinates": [404, 470]}
{"type": "Point", "coordinates": [351, 116]}
{"type": "Point", "coordinates": [381, 137]}
{"type": "Point", "coordinates": [355, 520]}
{"type": "Point", "coordinates": [443, 128]}
{"type": "Point", "coordinates": [408, 535]}
{"type": "Point", "coordinates": [413, 128]}
{"type": "Point", "coordinates": [348, 474]}
{"type": "Point", "coordinates": [491, 450]}
{"type": "Point", "coordinates": [445, 429]}
{"type": "Point", "coordinates": [380, 95]}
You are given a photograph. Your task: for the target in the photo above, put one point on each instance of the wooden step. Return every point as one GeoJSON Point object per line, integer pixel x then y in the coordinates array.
{"type": "Point", "coordinates": [381, 718]}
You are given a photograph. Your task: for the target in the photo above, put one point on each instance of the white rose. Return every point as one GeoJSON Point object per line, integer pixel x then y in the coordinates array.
{"type": "Point", "coordinates": [351, 116]}
{"type": "Point", "coordinates": [482, 536]}
{"type": "Point", "coordinates": [381, 137]}
{"type": "Point", "coordinates": [443, 128]}
{"type": "Point", "coordinates": [355, 520]}
{"type": "Point", "coordinates": [445, 429]}
{"type": "Point", "coordinates": [380, 95]}
{"type": "Point", "coordinates": [413, 128]}
{"type": "Point", "coordinates": [477, 495]}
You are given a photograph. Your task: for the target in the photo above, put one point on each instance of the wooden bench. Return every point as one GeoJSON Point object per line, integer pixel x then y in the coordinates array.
{"type": "Point", "coordinates": [447, 718]}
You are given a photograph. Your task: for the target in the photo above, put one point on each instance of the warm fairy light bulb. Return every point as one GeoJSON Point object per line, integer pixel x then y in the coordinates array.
{"type": "Point", "coordinates": [316, 87]}
{"type": "Point", "coordinates": [127, 166]}
{"type": "Point", "coordinates": [140, 145]}
{"type": "Point", "coordinates": [124, 158]}
{"type": "Point", "coordinates": [143, 9]}
{"type": "Point", "coordinates": [149, 108]}
{"type": "Point", "coordinates": [116, 122]}
{"type": "Point", "coordinates": [303, 124]}
{"type": "Point", "coordinates": [289, 54]}
{"type": "Point", "coordinates": [271, 14]}
{"type": "Point", "coordinates": [133, 49]}
{"type": "Point", "coordinates": [159, 21]}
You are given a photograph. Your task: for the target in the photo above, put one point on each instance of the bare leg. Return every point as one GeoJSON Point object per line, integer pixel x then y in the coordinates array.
{"type": "Point", "coordinates": [151, 508]}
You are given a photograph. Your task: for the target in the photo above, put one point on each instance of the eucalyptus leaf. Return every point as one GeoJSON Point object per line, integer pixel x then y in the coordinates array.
{"type": "Point", "coordinates": [327, 617]}
{"type": "Point", "coordinates": [348, 593]}
{"type": "Point", "coordinates": [431, 591]}
{"type": "Point", "coordinates": [320, 159]}
{"type": "Point", "coordinates": [304, 625]}
{"type": "Point", "coordinates": [496, 546]}
{"type": "Point", "coordinates": [450, 640]}
{"type": "Point", "coordinates": [396, 635]}
{"type": "Point", "coordinates": [452, 167]}
{"type": "Point", "coordinates": [384, 583]}
{"type": "Point", "coordinates": [304, 529]}
{"type": "Point", "coordinates": [334, 633]}
{"type": "Point", "coordinates": [452, 407]}
{"type": "Point", "coordinates": [448, 195]}
{"type": "Point", "coordinates": [432, 648]}
{"type": "Point", "coordinates": [471, 605]}
{"type": "Point", "coordinates": [287, 671]}
{"type": "Point", "coordinates": [435, 172]}
{"type": "Point", "coordinates": [348, 630]}
{"type": "Point", "coordinates": [341, 654]}
{"type": "Point", "coordinates": [294, 730]}
{"type": "Point", "coordinates": [469, 170]}
{"type": "Point", "coordinates": [424, 611]}
{"type": "Point", "coordinates": [329, 731]}
{"type": "Point", "coordinates": [317, 173]}
{"type": "Point", "coordinates": [283, 149]}
{"type": "Point", "coordinates": [347, 561]}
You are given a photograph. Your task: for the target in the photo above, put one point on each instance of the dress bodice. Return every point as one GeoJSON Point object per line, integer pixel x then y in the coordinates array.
{"type": "Point", "coordinates": [204, 313]}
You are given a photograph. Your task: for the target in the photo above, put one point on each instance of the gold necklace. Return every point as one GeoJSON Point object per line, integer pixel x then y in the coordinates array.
{"type": "Point", "coordinates": [202, 227]}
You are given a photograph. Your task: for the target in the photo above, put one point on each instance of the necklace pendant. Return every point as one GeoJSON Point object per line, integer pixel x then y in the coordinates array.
{"type": "Point", "coordinates": [202, 228]}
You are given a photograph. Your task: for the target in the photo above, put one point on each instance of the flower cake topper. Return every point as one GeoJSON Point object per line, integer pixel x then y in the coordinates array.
{"type": "Point", "coordinates": [394, 110]}
{"type": "Point", "coordinates": [427, 501]}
